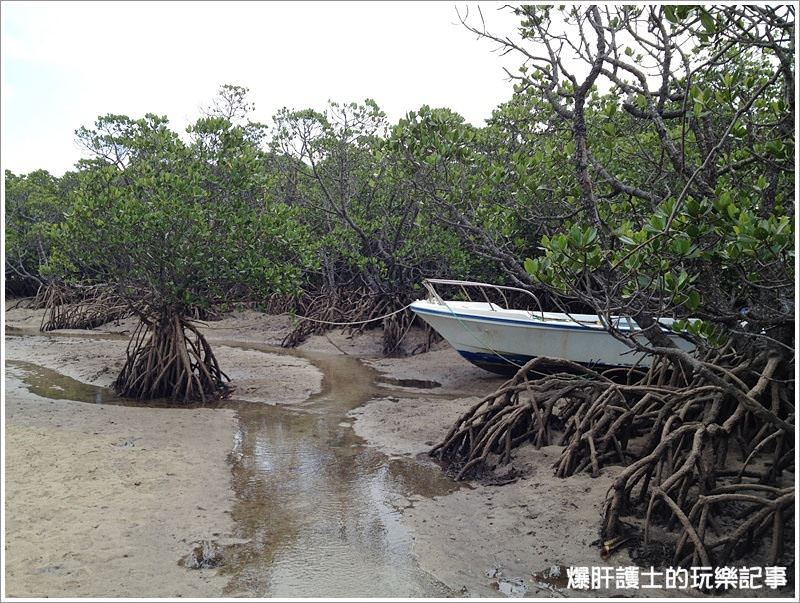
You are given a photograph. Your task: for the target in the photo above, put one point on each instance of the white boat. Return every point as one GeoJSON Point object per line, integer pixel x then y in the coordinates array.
{"type": "Point", "coordinates": [501, 339]}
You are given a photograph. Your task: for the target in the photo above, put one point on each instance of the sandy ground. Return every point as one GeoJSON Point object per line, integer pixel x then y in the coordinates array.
{"type": "Point", "coordinates": [105, 500]}
{"type": "Point", "coordinates": [494, 540]}
{"type": "Point", "coordinates": [484, 538]}
{"type": "Point", "coordinates": [94, 506]}
{"type": "Point", "coordinates": [94, 357]}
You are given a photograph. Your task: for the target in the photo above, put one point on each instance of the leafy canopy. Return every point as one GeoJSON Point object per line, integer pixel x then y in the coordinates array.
{"type": "Point", "coordinates": [175, 225]}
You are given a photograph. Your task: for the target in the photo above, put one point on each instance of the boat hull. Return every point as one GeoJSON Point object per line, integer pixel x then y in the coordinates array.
{"type": "Point", "coordinates": [501, 341]}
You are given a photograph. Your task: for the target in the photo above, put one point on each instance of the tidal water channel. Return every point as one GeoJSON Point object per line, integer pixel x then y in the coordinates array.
{"type": "Point", "coordinates": [317, 511]}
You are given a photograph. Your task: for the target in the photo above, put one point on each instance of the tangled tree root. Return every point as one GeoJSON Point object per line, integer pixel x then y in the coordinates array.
{"type": "Point", "coordinates": [80, 308]}
{"type": "Point", "coordinates": [170, 358]}
{"type": "Point", "coordinates": [704, 459]}
{"type": "Point", "coordinates": [29, 297]}
{"type": "Point", "coordinates": [322, 310]}
{"type": "Point", "coordinates": [521, 410]}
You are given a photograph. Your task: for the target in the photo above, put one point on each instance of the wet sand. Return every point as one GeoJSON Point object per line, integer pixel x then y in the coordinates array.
{"type": "Point", "coordinates": [479, 537]}
{"type": "Point", "coordinates": [483, 540]}
{"type": "Point", "coordinates": [105, 500]}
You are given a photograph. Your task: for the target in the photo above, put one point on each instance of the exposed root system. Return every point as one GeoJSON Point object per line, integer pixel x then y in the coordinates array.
{"type": "Point", "coordinates": [709, 464]}
{"type": "Point", "coordinates": [79, 308]}
{"type": "Point", "coordinates": [326, 308]}
{"type": "Point", "coordinates": [170, 358]}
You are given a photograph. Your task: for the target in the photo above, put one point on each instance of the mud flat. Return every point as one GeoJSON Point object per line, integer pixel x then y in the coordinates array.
{"type": "Point", "coordinates": [515, 539]}
{"type": "Point", "coordinates": [96, 356]}
{"type": "Point", "coordinates": [483, 540]}
{"type": "Point", "coordinates": [314, 480]}
{"type": "Point", "coordinates": [105, 500]}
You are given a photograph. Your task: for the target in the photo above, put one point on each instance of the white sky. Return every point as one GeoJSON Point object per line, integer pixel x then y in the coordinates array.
{"type": "Point", "coordinates": [65, 63]}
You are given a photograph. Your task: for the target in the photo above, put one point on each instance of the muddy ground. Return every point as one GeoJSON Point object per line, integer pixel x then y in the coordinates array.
{"type": "Point", "coordinates": [105, 500]}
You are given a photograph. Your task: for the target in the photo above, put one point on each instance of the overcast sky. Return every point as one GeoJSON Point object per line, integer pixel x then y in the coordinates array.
{"type": "Point", "coordinates": [65, 63]}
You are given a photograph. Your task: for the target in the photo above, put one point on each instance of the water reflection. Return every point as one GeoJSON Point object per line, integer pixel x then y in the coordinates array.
{"type": "Point", "coordinates": [317, 507]}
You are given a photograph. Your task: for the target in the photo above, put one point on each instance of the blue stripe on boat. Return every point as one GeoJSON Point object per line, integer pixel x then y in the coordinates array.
{"type": "Point", "coordinates": [494, 359]}
{"type": "Point", "coordinates": [497, 363]}
{"type": "Point", "coordinates": [532, 323]}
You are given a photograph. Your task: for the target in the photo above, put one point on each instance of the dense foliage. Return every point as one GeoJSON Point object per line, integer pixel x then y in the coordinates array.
{"type": "Point", "coordinates": [658, 181]}
{"type": "Point", "coordinates": [34, 202]}
{"type": "Point", "coordinates": [178, 226]}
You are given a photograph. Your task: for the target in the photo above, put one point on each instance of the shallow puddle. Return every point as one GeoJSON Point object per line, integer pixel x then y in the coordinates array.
{"type": "Point", "coordinates": [48, 383]}
{"type": "Point", "coordinates": [415, 383]}
{"type": "Point", "coordinates": [320, 511]}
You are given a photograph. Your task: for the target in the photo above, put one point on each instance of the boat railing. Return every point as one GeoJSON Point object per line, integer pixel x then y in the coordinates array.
{"type": "Point", "coordinates": [435, 297]}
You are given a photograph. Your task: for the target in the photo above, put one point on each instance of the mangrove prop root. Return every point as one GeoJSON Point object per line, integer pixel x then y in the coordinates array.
{"type": "Point", "coordinates": [692, 451]}
{"type": "Point", "coordinates": [79, 307]}
{"type": "Point", "coordinates": [170, 358]}
{"type": "Point", "coordinates": [519, 410]}
{"type": "Point", "coordinates": [342, 306]}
